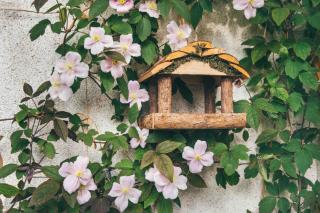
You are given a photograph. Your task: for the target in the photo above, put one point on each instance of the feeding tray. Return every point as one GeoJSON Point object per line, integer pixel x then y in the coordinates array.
{"type": "Point", "coordinates": [215, 67]}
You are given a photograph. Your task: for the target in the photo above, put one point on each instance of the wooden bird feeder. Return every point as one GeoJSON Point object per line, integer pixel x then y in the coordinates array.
{"type": "Point", "coordinates": [214, 67]}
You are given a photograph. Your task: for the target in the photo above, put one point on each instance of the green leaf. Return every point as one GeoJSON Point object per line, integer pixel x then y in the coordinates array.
{"type": "Point", "coordinates": [274, 165]}
{"type": "Point", "coordinates": [229, 163]}
{"type": "Point", "coordinates": [121, 27]}
{"type": "Point", "coordinates": [21, 115]}
{"type": "Point", "coordinates": [263, 104]}
{"type": "Point", "coordinates": [98, 7]}
{"type": "Point", "coordinates": [302, 49]}
{"type": "Point", "coordinates": [123, 87]}
{"type": "Point", "coordinates": [44, 192]}
{"type": "Point", "coordinates": [314, 149]}
{"type": "Point", "coordinates": [149, 52]}
{"type": "Point", "coordinates": [266, 136]}
{"type": "Point", "coordinates": [184, 90]}
{"type": "Point", "coordinates": [309, 80]}
{"type": "Point", "coordinates": [144, 28]}
{"type": "Point", "coordinates": [267, 205]}
{"type": "Point", "coordinates": [18, 144]}
{"type": "Point", "coordinates": [206, 5]}
{"type": "Point", "coordinates": [43, 87]}
{"type": "Point", "coordinates": [164, 165]}
{"type": "Point", "coordinates": [164, 7]}
{"type": "Point", "coordinates": [241, 106]}
{"type": "Point", "coordinates": [8, 190]}
{"type": "Point", "coordinates": [107, 81]}
{"type": "Point", "coordinates": [74, 3]}
{"type": "Point", "coordinates": [61, 129]}
{"type": "Point", "coordinates": [196, 181]}
{"type": "Point", "coordinates": [7, 170]}
{"type": "Point", "coordinates": [27, 89]}
{"type": "Point", "coordinates": [52, 172]}
{"type": "Point", "coordinates": [49, 150]}
{"type": "Point", "coordinates": [279, 15]}
{"type": "Point", "coordinates": [295, 101]}
{"type": "Point", "coordinates": [313, 109]}
{"type": "Point", "coordinates": [219, 149]}
{"type": "Point", "coordinates": [288, 166]}
{"type": "Point", "coordinates": [164, 205]}
{"type": "Point", "coordinates": [119, 142]}
{"type": "Point", "coordinates": [124, 164]}
{"type": "Point", "coordinates": [253, 117]}
{"type": "Point", "coordinates": [196, 14]}
{"type": "Point", "coordinates": [38, 4]}
{"type": "Point", "coordinates": [135, 17]}
{"type": "Point", "coordinates": [39, 29]}
{"type": "Point", "coordinates": [71, 200]}
{"type": "Point", "coordinates": [293, 68]}
{"type": "Point", "coordinates": [239, 151]}
{"type": "Point", "coordinates": [181, 9]}
{"type": "Point", "coordinates": [258, 52]}
{"type": "Point", "coordinates": [133, 113]}
{"type": "Point", "coordinates": [303, 159]}
{"type": "Point", "coordinates": [147, 159]}
{"type": "Point", "coordinates": [283, 205]}
{"type": "Point", "coordinates": [167, 147]}
{"type": "Point", "coordinates": [314, 20]}
{"type": "Point", "coordinates": [280, 93]}
{"type": "Point", "coordinates": [151, 198]}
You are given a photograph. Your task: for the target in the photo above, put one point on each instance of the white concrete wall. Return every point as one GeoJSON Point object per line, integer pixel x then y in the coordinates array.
{"type": "Point", "coordinates": [24, 61]}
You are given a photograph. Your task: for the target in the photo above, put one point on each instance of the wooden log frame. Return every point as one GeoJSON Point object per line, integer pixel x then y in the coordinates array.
{"type": "Point", "coordinates": [153, 107]}
{"type": "Point", "coordinates": [226, 95]}
{"type": "Point", "coordinates": [209, 95]}
{"type": "Point", "coordinates": [164, 94]}
{"type": "Point", "coordinates": [193, 121]}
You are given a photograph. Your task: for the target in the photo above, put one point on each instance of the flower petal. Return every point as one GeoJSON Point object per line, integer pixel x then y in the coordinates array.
{"type": "Point", "coordinates": [71, 183]}
{"type": "Point", "coordinates": [127, 181]}
{"type": "Point", "coordinates": [150, 174]}
{"type": "Point", "coordinates": [65, 169]}
{"type": "Point", "coordinates": [81, 162]}
{"type": "Point", "coordinates": [172, 27]}
{"type": "Point", "coordinates": [83, 196]}
{"type": "Point", "coordinates": [200, 147]}
{"type": "Point", "coordinates": [134, 195]}
{"type": "Point", "coordinates": [115, 190]}
{"type": "Point", "coordinates": [134, 143]}
{"type": "Point", "coordinates": [195, 166]}
{"type": "Point", "coordinates": [250, 12]}
{"type": "Point", "coordinates": [126, 39]}
{"type": "Point", "coordinates": [73, 57]}
{"type": "Point", "coordinates": [240, 4]}
{"type": "Point", "coordinates": [181, 182]}
{"type": "Point", "coordinates": [188, 153]}
{"type": "Point", "coordinates": [81, 70]}
{"type": "Point", "coordinates": [133, 86]}
{"type": "Point", "coordinates": [170, 192]}
{"type": "Point", "coordinates": [258, 3]}
{"type": "Point", "coordinates": [135, 50]}
{"type": "Point", "coordinates": [207, 159]}
{"type": "Point", "coordinates": [121, 203]}
{"type": "Point", "coordinates": [65, 93]}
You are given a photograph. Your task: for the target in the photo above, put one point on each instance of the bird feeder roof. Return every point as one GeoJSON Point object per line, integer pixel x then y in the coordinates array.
{"type": "Point", "coordinates": [197, 58]}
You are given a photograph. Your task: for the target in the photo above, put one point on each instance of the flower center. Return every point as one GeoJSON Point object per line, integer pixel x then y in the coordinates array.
{"type": "Point", "coordinates": [122, 2]}
{"type": "Point", "coordinates": [114, 62]}
{"type": "Point", "coordinates": [197, 157]}
{"type": "Point", "coordinates": [69, 66]}
{"type": "Point", "coordinates": [79, 173]}
{"type": "Point", "coordinates": [152, 5]}
{"type": "Point", "coordinates": [251, 1]}
{"type": "Point", "coordinates": [96, 37]}
{"type": "Point", "coordinates": [125, 190]}
{"type": "Point", "coordinates": [56, 84]}
{"type": "Point", "coordinates": [133, 96]}
{"type": "Point", "coordinates": [181, 34]}
{"type": "Point", "coordinates": [124, 47]}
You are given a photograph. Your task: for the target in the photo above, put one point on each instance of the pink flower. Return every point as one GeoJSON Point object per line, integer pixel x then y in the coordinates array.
{"type": "Point", "coordinates": [60, 88]}
{"type": "Point", "coordinates": [163, 184]}
{"type": "Point", "coordinates": [197, 157]}
{"type": "Point", "coordinates": [70, 67]}
{"type": "Point", "coordinates": [97, 40]}
{"type": "Point", "coordinates": [141, 141]}
{"type": "Point", "coordinates": [75, 174]}
{"type": "Point", "coordinates": [151, 8]}
{"type": "Point", "coordinates": [136, 95]}
{"type": "Point", "coordinates": [122, 6]}
{"type": "Point", "coordinates": [249, 7]}
{"type": "Point", "coordinates": [124, 191]}
{"type": "Point", "coordinates": [83, 194]}
{"type": "Point", "coordinates": [115, 67]}
{"type": "Point", "coordinates": [178, 35]}
{"type": "Point", "coordinates": [127, 48]}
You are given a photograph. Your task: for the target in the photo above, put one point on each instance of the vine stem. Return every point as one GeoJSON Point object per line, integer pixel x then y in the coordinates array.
{"type": "Point", "coordinates": [97, 83]}
{"type": "Point", "coordinates": [6, 119]}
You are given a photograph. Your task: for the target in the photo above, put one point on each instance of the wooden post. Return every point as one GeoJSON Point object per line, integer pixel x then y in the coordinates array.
{"type": "Point", "coordinates": [226, 95]}
{"type": "Point", "coordinates": [209, 95]}
{"type": "Point", "coordinates": [164, 94]}
{"type": "Point", "coordinates": [153, 96]}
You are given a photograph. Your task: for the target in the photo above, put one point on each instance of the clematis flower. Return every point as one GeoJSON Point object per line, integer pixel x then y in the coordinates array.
{"type": "Point", "coordinates": [197, 157]}
{"type": "Point", "coordinates": [83, 194]}
{"type": "Point", "coordinates": [122, 6]}
{"type": "Point", "coordinates": [178, 35]}
{"type": "Point", "coordinates": [127, 48]}
{"type": "Point", "coordinates": [249, 7]}
{"type": "Point", "coordinates": [141, 141]}
{"type": "Point", "coordinates": [59, 88]}
{"type": "Point", "coordinates": [163, 184]}
{"type": "Point", "coordinates": [136, 95]}
{"type": "Point", "coordinates": [125, 191]}
{"type": "Point", "coordinates": [115, 67]}
{"type": "Point", "coordinates": [75, 174]}
{"type": "Point", "coordinates": [151, 8]}
{"type": "Point", "coordinates": [97, 40]}
{"type": "Point", "coordinates": [70, 67]}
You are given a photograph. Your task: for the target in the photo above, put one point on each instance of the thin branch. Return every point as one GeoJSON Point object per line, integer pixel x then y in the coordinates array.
{"type": "Point", "coordinates": [27, 11]}
{"type": "Point", "coordinates": [97, 83]}
{"type": "Point", "coordinates": [6, 119]}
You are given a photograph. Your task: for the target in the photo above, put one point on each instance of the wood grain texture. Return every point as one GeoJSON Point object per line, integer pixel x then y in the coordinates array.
{"type": "Point", "coordinates": [226, 95]}
{"type": "Point", "coordinates": [193, 121]}
{"type": "Point", "coordinates": [209, 95]}
{"type": "Point", "coordinates": [153, 107]}
{"type": "Point", "coordinates": [164, 94]}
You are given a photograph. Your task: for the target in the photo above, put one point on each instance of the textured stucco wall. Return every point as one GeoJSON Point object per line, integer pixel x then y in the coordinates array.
{"type": "Point", "coordinates": [24, 61]}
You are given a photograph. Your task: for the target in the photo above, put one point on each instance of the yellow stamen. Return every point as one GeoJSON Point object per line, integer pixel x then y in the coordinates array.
{"type": "Point", "coordinates": [197, 157]}
{"type": "Point", "coordinates": [152, 5]}
{"type": "Point", "coordinates": [122, 2]}
{"type": "Point", "coordinates": [125, 190]}
{"type": "Point", "coordinates": [133, 96]}
{"type": "Point", "coordinates": [181, 34]}
{"type": "Point", "coordinates": [56, 84]}
{"type": "Point", "coordinates": [78, 173]}
{"type": "Point", "coordinates": [96, 37]}
{"type": "Point", "coordinates": [69, 66]}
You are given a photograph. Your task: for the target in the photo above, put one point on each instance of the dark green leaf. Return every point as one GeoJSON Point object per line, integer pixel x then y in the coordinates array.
{"type": "Point", "coordinates": [167, 147]}
{"type": "Point", "coordinates": [7, 170]}
{"type": "Point", "coordinates": [280, 14]}
{"type": "Point", "coordinates": [39, 29]}
{"type": "Point", "coordinates": [196, 14]}
{"type": "Point", "coordinates": [314, 20]}
{"type": "Point", "coordinates": [49, 150]}
{"type": "Point", "coordinates": [302, 49]}
{"type": "Point", "coordinates": [149, 51]}
{"type": "Point", "coordinates": [164, 7]}
{"type": "Point", "coordinates": [74, 3]}
{"type": "Point", "coordinates": [164, 205]}
{"type": "Point", "coordinates": [164, 165]}
{"type": "Point", "coordinates": [181, 9]}
{"type": "Point", "coordinates": [266, 136]}
{"type": "Point", "coordinates": [8, 190]}
{"type": "Point", "coordinates": [258, 52]}
{"type": "Point", "coordinates": [98, 7]}
{"type": "Point", "coordinates": [121, 27]}
{"type": "Point", "coordinates": [303, 160]}
{"type": "Point", "coordinates": [52, 172]}
{"type": "Point", "coordinates": [38, 4]}
{"type": "Point", "coordinates": [253, 117]}
{"type": "Point", "coordinates": [133, 113]}
{"type": "Point", "coordinates": [196, 181]}
{"type": "Point", "coordinates": [61, 129]}
{"type": "Point", "coordinates": [288, 166]}
{"type": "Point", "coordinates": [148, 158]}
{"type": "Point", "coordinates": [144, 28]}
{"type": "Point", "coordinates": [267, 205]}
{"type": "Point", "coordinates": [44, 192]}
{"type": "Point", "coordinates": [27, 89]}
{"type": "Point", "coordinates": [295, 101]}
{"type": "Point", "coordinates": [309, 80]}
{"type": "Point", "coordinates": [151, 198]}
{"type": "Point", "coordinates": [283, 205]}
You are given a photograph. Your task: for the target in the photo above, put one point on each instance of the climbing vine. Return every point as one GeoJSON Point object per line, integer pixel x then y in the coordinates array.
{"type": "Point", "coordinates": [102, 42]}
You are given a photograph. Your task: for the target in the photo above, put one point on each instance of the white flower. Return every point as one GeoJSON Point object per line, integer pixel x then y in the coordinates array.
{"type": "Point", "coordinates": [122, 6]}
{"type": "Point", "coordinates": [115, 67]}
{"type": "Point", "coordinates": [127, 48]}
{"type": "Point", "coordinates": [151, 8]}
{"type": "Point", "coordinates": [178, 35]}
{"type": "Point", "coordinates": [83, 194]}
{"type": "Point", "coordinates": [136, 95]}
{"type": "Point", "coordinates": [249, 7]}
{"type": "Point", "coordinates": [125, 191]}
{"type": "Point", "coordinates": [141, 141]}
{"type": "Point", "coordinates": [59, 88]}
{"type": "Point", "coordinates": [71, 67]}
{"type": "Point", "coordinates": [97, 40]}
